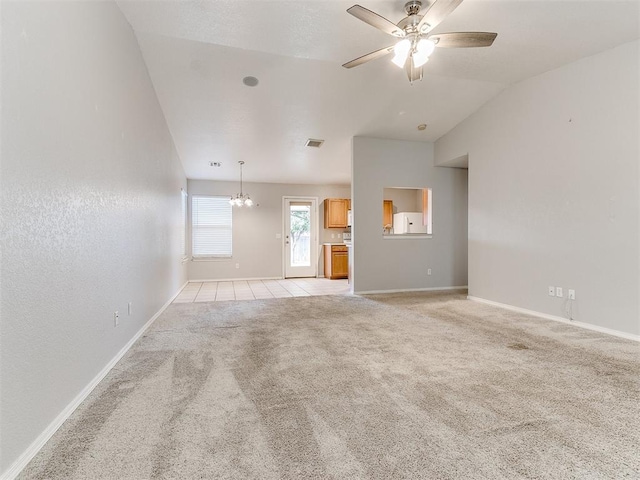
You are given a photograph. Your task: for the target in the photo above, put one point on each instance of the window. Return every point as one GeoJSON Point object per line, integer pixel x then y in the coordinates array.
{"type": "Point", "coordinates": [185, 225]}
{"type": "Point", "coordinates": [210, 226]}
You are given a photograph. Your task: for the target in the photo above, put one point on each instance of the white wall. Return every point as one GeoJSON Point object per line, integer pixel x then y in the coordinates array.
{"type": "Point", "coordinates": [554, 190]}
{"type": "Point", "coordinates": [90, 206]}
{"type": "Point", "coordinates": [402, 263]}
{"type": "Point", "coordinates": [255, 246]}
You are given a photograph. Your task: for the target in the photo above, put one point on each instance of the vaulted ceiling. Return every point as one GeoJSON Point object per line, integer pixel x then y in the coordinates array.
{"type": "Point", "coordinates": [198, 52]}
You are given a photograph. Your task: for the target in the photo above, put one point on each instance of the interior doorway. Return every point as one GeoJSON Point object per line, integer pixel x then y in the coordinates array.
{"type": "Point", "coordinates": [300, 227]}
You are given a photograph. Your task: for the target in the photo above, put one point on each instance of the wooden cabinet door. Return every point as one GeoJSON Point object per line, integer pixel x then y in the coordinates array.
{"type": "Point", "coordinates": [339, 264]}
{"type": "Point", "coordinates": [335, 213]}
{"type": "Point", "coordinates": [336, 261]}
{"type": "Point", "coordinates": [387, 213]}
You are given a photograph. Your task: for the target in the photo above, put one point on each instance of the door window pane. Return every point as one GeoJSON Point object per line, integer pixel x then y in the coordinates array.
{"type": "Point", "coordinates": [300, 218]}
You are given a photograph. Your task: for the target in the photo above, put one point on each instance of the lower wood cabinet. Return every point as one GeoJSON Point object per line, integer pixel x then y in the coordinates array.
{"type": "Point", "coordinates": [336, 261]}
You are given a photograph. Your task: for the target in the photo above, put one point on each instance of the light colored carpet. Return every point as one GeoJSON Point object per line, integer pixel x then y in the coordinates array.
{"type": "Point", "coordinates": [386, 386]}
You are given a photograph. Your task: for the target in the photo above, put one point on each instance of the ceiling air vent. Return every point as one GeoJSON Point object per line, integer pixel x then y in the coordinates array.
{"type": "Point", "coordinates": [314, 143]}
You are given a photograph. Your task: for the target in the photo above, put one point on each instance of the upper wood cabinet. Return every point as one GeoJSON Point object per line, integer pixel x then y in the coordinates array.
{"type": "Point", "coordinates": [335, 212]}
{"type": "Point", "coordinates": [387, 213]}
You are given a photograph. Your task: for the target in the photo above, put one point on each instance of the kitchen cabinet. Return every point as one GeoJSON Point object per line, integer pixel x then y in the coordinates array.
{"type": "Point", "coordinates": [335, 212]}
{"type": "Point", "coordinates": [387, 213]}
{"type": "Point", "coordinates": [336, 261]}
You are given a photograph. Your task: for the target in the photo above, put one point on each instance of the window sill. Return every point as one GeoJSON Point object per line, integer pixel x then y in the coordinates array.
{"type": "Point", "coordinates": [211, 259]}
{"type": "Point", "coordinates": [407, 236]}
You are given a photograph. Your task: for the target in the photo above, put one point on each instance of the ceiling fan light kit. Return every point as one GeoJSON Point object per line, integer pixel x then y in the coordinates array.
{"type": "Point", "coordinates": [417, 45]}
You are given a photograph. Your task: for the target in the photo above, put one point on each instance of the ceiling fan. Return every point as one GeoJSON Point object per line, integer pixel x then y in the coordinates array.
{"type": "Point", "coordinates": [416, 44]}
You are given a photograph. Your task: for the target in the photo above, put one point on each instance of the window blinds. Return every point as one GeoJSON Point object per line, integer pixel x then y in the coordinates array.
{"type": "Point", "coordinates": [211, 226]}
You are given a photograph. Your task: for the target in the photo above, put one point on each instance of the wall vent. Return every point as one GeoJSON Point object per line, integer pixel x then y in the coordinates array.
{"type": "Point", "coordinates": [314, 143]}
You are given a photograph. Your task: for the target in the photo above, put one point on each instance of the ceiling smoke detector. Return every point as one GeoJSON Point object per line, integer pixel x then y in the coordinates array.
{"type": "Point", "coordinates": [314, 143]}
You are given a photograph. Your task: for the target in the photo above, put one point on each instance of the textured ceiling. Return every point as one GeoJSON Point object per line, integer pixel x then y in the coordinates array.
{"type": "Point", "coordinates": [197, 53]}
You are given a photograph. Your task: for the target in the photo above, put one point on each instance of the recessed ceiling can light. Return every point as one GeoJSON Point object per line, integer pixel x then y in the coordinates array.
{"type": "Point", "coordinates": [422, 126]}
{"type": "Point", "coordinates": [250, 81]}
{"type": "Point", "coordinates": [215, 164]}
{"type": "Point", "coordinates": [312, 142]}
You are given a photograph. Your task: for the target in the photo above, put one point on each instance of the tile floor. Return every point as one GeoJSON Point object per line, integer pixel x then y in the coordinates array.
{"type": "Point", "coordinates": [257, 289]}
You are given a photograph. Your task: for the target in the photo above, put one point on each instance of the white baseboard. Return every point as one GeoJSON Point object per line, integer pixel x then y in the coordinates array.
{"type": "Point", "coordinates": [232, 280]}
{"type": "Point", "coordinates": [430, 289]}
{"type": "Point", "coordinates": [588, 326]}
{"type": "Point", "coordinates": [22, 461]}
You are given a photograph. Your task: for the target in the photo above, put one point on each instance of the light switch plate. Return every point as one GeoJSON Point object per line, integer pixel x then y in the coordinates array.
{"type": "Point", "coordinates": [559, 292]}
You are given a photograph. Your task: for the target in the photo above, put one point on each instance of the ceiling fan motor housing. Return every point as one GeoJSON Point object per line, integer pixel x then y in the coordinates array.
{"type": "Point", "coordinates": [412, 7]}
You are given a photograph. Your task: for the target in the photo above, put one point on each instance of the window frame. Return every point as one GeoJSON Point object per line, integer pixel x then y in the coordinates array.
{"type": "Point", "coordinates": [185, 225]}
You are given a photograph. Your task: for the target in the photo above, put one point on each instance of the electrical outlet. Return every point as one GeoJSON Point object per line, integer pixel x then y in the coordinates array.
{"type": "Point", "coordinates": [116, 319]}
{"type": "Point", "coordinates": [278, 235]}
{"type": "Point", "coordinates": [572, 294]}
{"type": "Point", "coordinates": [552, 291]}
{"type": "Point", "coordinates": [333, 235]}
{"type": "Point", "coordinates": [559, 292]}
{"type": "Point", "coordinates": [428, 271]}
{"type": "Point", "coordinates": [129, 308]}
{"type": "Point", "coordinates": [237, 265]}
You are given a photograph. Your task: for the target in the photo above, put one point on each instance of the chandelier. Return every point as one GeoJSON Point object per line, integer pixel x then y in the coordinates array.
{"type": "Point", "coordinates": [241, 199]}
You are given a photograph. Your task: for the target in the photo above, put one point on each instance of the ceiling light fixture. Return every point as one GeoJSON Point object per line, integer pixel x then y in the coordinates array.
{"type": "Point", "coordinates": [241, 199]}
{"type": "Point", "coordinates": [422, 126]}
{"type": "Point", "coordinates": [415, 49]}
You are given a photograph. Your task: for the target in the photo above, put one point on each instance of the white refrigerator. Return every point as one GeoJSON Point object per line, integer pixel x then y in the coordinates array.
{"type": "Point", "coordinates": [408, 222]}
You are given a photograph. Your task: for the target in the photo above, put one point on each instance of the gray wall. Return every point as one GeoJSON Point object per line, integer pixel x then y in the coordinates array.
{"type": "Point", "coordinates": [404, 200]}
{"type": "Point", "coordinates": [255, 246]}
{"type": "Point", "coordinates": [554, 191]}
{"type": "Point", "coordinates": [90, 211]}
{"type": "Point", "coordinates": [401, 264]}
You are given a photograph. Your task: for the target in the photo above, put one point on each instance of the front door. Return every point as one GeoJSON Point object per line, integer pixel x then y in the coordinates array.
{"type": "Point", "coordinates": [300, 237]}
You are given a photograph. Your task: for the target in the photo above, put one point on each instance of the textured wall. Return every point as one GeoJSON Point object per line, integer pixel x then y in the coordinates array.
{"type": "Point", "coordinates": [401, 264]}
{"type": "Point", "coordinates": [255, 246]}
{"type": "Point", "coordinates": [554, 191]}
{"type": "Point", "coordinates": [90, 206]}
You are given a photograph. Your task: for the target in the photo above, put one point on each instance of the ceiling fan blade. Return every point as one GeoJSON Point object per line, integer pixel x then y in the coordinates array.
{"type": "Point", "coordinates": [464, 39]}
{"type": "Point", "coordinates": [412, 72]}
{"type": "Point", "coordinates": [368, 57]}
{"type": "Point", "coordinates": [376, 20]}
{"type": "Point", "coordinates": [437, 13]}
